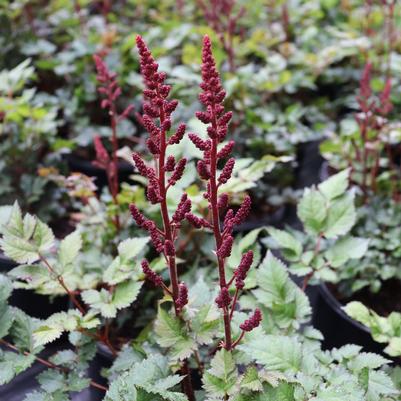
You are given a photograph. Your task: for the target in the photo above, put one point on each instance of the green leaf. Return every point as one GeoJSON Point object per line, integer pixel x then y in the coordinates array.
{"type": "Point", "coordinates": [346, 248]}
{"type": "Point", "coordinates": [126, 293]}
{"type": "Point", "coordinates": [289, 306]}
{"type": "Point", "coordinates": [101, 301]}
{"type": "Point", "coordinates": [123, 266]}
{"type": "Point", "coordinates": [341, 217]}
{"type": "Point", "coordinates": [335, 186]}
{"type": "Point", "coordinates": [69, 248]}
{"type": "Point", "coordinates": [205, 323]}
{"type": "Point", "coordinates": [132, 247]}
{"type": "Point", "coordinates": [171, 333]}
{"type": "Point", "coordinates": [222, 377]}
{"type": "Point", "coordinates": [292, 248]}
{"type": "Point", "coordinates": [148, 380]}
{"type": "Point", "coordinates": [12, 364]}
{"type": "Point", "coordinates": [383, 329]}
{"type": "Point", "coordinates": [24, 239]}
{"type": "Point", "coordinates": [251, 380]}
{"type": "Point", "coordinates": [279, 353]}
{"type": "Point", "coordinates": [312, 210]}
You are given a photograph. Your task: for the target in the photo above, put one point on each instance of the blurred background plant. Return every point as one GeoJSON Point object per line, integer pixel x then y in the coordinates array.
{"type": "Point", "coordinates": [291, 68]}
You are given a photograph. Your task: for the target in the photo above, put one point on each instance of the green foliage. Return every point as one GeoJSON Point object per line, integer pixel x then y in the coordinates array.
{"type": "Point", "coordinates": [286, 305]}
{"type": "Point", "coordinates": [149, 379]}
{"type": "Point", "coordinates": [52, 328]}
{"type": "Point", "coordinates": [172, 333]}
{"type": "Point", "coordinates": [222, 376]}
{"type": "Point", "coordinates": [385, 330]}
{"type": "Point", "coordinates": [328, 214]}
{"type": "Point", "coordinates": [108, 303]}
{"type": "Point", "coordinates": [317, 375]}
{"type": "Point", "coordinates": [24, 239]}
{"type": "Point", "coordinates": [377, 221]}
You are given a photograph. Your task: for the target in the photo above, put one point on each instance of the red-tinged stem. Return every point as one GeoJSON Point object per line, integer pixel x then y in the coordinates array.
{"type": "Point", "coordinates": [169, 235]}
{"type": "Point", "coordinates": [237, 341]}
{"type": "Point", "coordinates": [60, 279]}
{"type": "Point", "coordinates": [106, 337]}
{"type": "Point", "coordinates": [113, 180]}
{"type": "Point", "coordinates": [48, 363]}
{"type": "Point", "coordinates": [234, 303]}
{"type": "Point", "coordinates": [216, 230]}
{"type": "Point", "coordinates": [164, 210]}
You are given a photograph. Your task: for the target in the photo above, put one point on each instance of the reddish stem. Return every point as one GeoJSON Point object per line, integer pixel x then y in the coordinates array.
{"type": "Point", "coordinates": [216, 229]}
{"type": "Point", "coordinates": [113, 178]}
{"type": "Point", "coordinates": [168, 232]}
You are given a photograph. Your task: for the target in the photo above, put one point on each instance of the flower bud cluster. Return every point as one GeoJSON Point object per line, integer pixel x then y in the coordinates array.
{"type": "Point", "coordinates": [150, 274]}
{"type": "Point", "coordinates": [252, 322]}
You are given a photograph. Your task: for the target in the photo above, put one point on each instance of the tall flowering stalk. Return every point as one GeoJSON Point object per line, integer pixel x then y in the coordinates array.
{"type": "Point", "coordinates": [221, 17]}
{"type": "Point", "coordinates": [110, 90]}
{"type": "Point", "coordinates": [156, 118]}
{"type": "Point", "coordinates": [217, 120]}
{"type": "Point", "coordinates": [371, 121]}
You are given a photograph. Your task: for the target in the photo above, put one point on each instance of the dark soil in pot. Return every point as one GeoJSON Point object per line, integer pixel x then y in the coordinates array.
{"type": "Point", "coordinates": [35, 305]}
{"type": "Point", "coordinates": [337, 327]}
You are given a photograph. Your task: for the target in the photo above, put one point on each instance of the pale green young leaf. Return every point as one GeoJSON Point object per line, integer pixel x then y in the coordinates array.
{"type": "Point", "coordinates": [346, 248]}
{"type": "Point", "coordinates": [205, 323]}
{"type": "Point", "coordinates": [335, 186]}
{"type": "Point", "coordinates": [69, 248]}
{"type": "Point", "coordinates": [101, 301]}
{"type": "Point", "coordinates": [132, 247]}
{"type": "Point", "coordinates": [123, 266]}
{"type": "Point", "coordinates": [312, 210]}
{"type": "Point", "coordinates": [291, 247]}
{"type": "Point", "coordinates": [341, 217]}
{"type": "Point", "coordinates": [126, 293]}
{"type": "Point", "coordinates": [379, 385]}
{"type": "Point", "coordinates": [24, 240]}
{"type": "Point", "coordinates": [54, 326]}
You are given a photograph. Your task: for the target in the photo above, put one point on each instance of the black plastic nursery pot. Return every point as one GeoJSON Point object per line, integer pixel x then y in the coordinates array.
{"type": "Point", "coordinates": [79, 164]}
{"type": "Point", "coordinates": [337, 327]}
{"type": "Point", "coordinates": [309, 164]}
{"type": "Point", "coordinates": [35, 305]}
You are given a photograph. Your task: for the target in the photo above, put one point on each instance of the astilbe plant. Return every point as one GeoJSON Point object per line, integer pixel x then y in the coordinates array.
{"type": "Point", "coordinates": [217, 119]}
{"type": "Point", "coordinates": [167, 171]}
{"type": "Point", "coordinates": [111, 91]}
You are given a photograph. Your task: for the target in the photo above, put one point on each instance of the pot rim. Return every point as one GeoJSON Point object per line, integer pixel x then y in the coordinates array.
{"type": "Point", "coordinates": [338, 307]}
